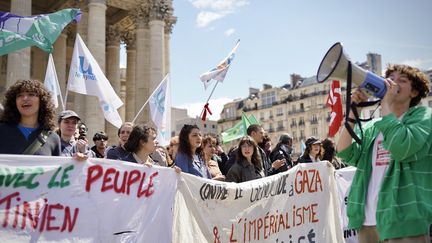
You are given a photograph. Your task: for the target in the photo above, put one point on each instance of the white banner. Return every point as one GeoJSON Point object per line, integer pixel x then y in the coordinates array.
{"type": "Point", "coordinates": [55, 199]}
{"type": "Point", "coordinates": [300, 205]}
{"type": "Point", "coordinates": [344, 178]}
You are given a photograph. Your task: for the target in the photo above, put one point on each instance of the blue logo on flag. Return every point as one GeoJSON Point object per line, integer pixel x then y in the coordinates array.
{"type": "Point", "coordinates": [88, 73]}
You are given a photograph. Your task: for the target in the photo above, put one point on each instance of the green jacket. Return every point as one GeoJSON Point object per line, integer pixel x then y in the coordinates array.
{"type": "Point", "coordinates": [405, 198]}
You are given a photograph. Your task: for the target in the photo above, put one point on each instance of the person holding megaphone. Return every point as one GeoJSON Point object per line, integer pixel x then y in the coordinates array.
{"type": "Point", "coordinates": [391, 193]}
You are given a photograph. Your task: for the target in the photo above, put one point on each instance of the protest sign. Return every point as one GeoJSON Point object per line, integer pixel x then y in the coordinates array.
{"type": "Point", "coordinates": [300, 205]}
{"type": "Point", "coordinates": [53, 199]}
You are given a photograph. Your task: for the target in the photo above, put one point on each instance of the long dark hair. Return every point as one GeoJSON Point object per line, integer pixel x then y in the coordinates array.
{"type": "Point", "coordinates": [46, 114]}
{"type": "Point", "coordinates": [184, 145]}
{"type": "Point", "coordinates": [256, 159]}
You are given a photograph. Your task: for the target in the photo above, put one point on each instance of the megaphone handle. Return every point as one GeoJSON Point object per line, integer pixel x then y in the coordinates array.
{"type": "Point", "coordinates": [354, 109]}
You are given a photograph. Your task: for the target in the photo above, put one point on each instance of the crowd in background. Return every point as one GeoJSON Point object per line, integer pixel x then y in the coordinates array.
{"type": "Point", "coordinates": [395, 156]}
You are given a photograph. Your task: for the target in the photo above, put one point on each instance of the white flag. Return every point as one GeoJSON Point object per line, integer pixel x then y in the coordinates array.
{"type": "Point", "coordinates": [86, 77]}
{"type": "Point", "coordinates": [160, 109]}
{"type": "Point", "coordinates": [51, 82]}
{"type": "Point", "coordinates": [218, 73]}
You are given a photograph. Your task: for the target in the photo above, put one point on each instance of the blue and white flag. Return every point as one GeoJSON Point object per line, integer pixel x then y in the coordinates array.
{"type": "Point", "coordinates": [218, 73]}
{"type": "Point", "coordinates": [52, 84]}
{"type": "Point", "coordinates": [17, 32]}
{"type": "Point", "coordinates": [86, 77]}
{"type": "Point", "coordinates": [160, 110]}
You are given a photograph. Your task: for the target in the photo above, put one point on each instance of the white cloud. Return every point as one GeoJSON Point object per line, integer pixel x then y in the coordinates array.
{"type": "Point", "coordinates": [422, 64]}
{"type": "Point", "coordinates": [205, 18]}
{"type": "Point", "coordinates": [229, 32]}
{"type": "Point", "coordinates": [211, 10]}
{"type": "Point", "coordinates": [216, 107]}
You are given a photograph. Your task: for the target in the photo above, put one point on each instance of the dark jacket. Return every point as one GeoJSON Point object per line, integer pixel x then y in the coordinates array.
{"type": "Point", "coordinates": [304, 159]}
{"type": "Point", "coordinates": [243, 171]}
{"type": "Point", "coordinates": [116, 153]}
{"type": "Point", "coordinates": [280, 152]}
{"type": "Point", "coordinates": [266, 163]}
{"type": "Point", "coordinates": [13, 141]}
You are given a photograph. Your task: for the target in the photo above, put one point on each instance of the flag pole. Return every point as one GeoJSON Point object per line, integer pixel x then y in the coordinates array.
{"type": "Point", "coordinates": [209, 98]}
{"type": "Point", "coordinates": [65, 98]}
{"type": "Point", "coordinates": [145, 103]}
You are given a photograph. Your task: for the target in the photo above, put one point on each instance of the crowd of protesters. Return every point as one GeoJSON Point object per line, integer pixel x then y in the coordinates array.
{"type": "Point", "coordinates": [28, 126]}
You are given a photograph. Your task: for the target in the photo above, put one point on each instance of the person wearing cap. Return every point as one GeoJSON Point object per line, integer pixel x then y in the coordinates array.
{"type": "Point", "coordinates": [68, 123]}
{"type": "Point", "coordinates": [28, 121]}
{"type": "Point", "coordinates": [312, 151]}
{"type": "Point", "coordinates": [282, 152]}
{"type": "Point", "coordinates": [100, 140]}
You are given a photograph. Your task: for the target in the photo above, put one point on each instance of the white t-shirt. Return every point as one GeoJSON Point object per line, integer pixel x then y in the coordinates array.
{"type": "Point", "coordinates": [380, 163]}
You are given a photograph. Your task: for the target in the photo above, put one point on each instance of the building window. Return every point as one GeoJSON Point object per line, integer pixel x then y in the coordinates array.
{"type": "Point", "coordinates": [268, 98]}
{"type": "Point", "coordinates": [302, 135]}
{"type": "Point", "coordinates": [230, 113]}
{"type": "Point", "coordinates": [213, 126]}
{"type": "Point", "coordinates": [314, 131]}
{"type": "Point", "coordinates": [279, 112]}
{"type": "Point", "coordinates": [301, 107]}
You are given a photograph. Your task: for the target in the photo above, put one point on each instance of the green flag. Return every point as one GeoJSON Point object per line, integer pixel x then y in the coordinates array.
{"type": "Point", "coordinates": [253, 120]}
{"type": "Point", "coordinates": [17, 32]}
{"type": "Point", "coordinates": [236, 132]}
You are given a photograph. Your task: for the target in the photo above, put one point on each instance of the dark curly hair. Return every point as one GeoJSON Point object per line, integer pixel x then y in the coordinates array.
{"type": "Point", "coordinates": [46, 114]}
{"type": "Point", "coordinates": [419, 80]}
{"type": "Point", "coordinates": [139, 132]}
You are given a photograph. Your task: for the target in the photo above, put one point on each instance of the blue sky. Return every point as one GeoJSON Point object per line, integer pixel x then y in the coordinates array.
{"type": "Point", "coordinates": [280, 37]}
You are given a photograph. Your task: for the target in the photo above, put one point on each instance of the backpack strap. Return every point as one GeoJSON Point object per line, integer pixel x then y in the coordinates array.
{"type": "Point", "coordinates": [37, 143]}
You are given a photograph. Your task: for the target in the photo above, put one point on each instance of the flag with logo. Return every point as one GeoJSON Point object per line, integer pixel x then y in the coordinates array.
{"type": "Point", "coordinates": [334, 100]}
{"type": "Point", "coordinates": [160, 110]}
{"type": "Point", "coordinates": [219, 72]}
{"type": "Point", "coordinates": [86, 77]}
{"type": "Point", "coordinates": [17, 32]}
{"type": "Point", "coordinates": [52, 84]}
{"type": "Point", "coordinates": [238, 131]}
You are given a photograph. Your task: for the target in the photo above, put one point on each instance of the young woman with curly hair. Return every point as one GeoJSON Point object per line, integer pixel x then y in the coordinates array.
{"type": "Point", "coordinates": [28, 115]}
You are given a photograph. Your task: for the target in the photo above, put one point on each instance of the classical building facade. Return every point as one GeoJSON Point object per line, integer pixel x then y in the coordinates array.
{"type": "Point", "coordinates": [144, 26]}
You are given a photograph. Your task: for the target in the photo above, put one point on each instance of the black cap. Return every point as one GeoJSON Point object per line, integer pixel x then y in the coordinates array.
{"type": "Point", "coordinates": [312, 140]}
{"type": "Point", "coordinates": [67, 114]}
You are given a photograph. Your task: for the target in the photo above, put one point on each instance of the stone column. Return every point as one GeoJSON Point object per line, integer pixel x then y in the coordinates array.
{"type": "Point", "coordinates": [113, 72]}
{"type": "Point", "coordinates": [59, 56]}
{"type": "Point", "coordinates": [169, 23]}
{"type": "Point", "coordinates": [157, 14]}
{"type": "Point", "coordinates": [96, 44]}
{"type": "Point", "coordinates": [18, 65]}
{"type": "Point", "coordinates": [129, 38]}
{"type": "Point", "coordinates": [79, 100]}
{"type": "Point", "coordinates": [39, 60]}
{"type": "Point", "coordinates": [142, 61]}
